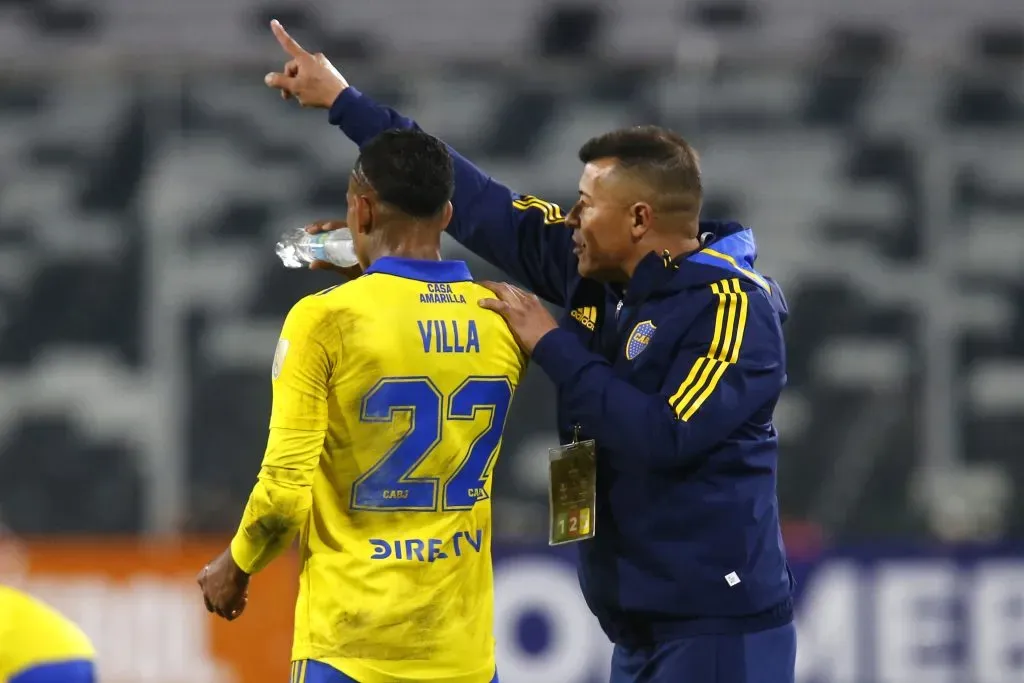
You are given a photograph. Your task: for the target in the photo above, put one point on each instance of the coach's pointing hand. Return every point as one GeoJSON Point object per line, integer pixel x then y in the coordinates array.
{"type": "Point", "coordinates": [310, 79]}
{"type": "Point", "coordinates": [525, 314]}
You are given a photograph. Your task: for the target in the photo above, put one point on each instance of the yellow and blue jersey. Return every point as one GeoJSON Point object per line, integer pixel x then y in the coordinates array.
{"type": "Point", "coordinates": [40, 645]}
{"type": "Point", "coordinates": [390, 397]}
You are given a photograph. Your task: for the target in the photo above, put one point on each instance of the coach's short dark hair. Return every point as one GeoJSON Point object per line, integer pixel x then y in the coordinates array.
{"type": "Point", "coordinates": [661, 158]}
{"type": "Point", "coordinates": [410, 170]}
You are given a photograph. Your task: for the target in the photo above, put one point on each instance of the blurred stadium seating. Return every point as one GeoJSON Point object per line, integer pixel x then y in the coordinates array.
{"type": "Point", "coordinates": [145, 173]}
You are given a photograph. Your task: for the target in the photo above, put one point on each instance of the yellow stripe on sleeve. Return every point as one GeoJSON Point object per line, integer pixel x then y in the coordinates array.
{"type": "Point", "coordinates": [552, 212]}
{"type": "Point", "coordinates": [528, 201]}
{"type": "Point", "coordinates": [551, 215]}
{"type": "Point", "coordinates": [686, 388]}
{"type": "Point", "coordinates": [688, 382]}
{"type": "Point", "coordinates": [723, 321]}
{"type": "Point", "coordinates": [741, 326]}
{"type": "Point", "coordinates": [724, 350]}
{"type": "Point", "coordinates": [708, 370]}
{"type": "Point", "coordinates": [720, 368]}
{"type": "Point", "coordinates": [291, 674]}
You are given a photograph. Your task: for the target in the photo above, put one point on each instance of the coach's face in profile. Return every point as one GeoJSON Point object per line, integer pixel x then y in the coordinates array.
{"type": "Point", "coordinates": [607, 226]}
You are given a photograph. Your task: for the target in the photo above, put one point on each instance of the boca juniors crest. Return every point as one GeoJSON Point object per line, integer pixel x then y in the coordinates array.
{"type": "Point", "coordinates": [639, 338]}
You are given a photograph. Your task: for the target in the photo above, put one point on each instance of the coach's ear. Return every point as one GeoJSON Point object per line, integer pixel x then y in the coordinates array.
{"type": "Point", "coordinates": [350, 273]}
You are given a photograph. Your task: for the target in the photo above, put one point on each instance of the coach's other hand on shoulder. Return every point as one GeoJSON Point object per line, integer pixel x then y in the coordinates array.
{"type": "Point", "coordinates": [311, 79]}
{"type": "Point", "coordinates": [225, 586]}
{"type": "Point", "coordinates": [350, 273]}
{"type": "Point", "coordinates": [523, 311]}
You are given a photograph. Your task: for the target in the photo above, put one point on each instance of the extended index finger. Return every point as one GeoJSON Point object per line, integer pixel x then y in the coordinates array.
{"type": "Point", "coordinates": [287, 42]}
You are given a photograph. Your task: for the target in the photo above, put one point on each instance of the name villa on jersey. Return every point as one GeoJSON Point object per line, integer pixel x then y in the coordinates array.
{"type": "Point", "coordinates": [441, 293]}
{"type": "Point", "coordinates": [449, 336]}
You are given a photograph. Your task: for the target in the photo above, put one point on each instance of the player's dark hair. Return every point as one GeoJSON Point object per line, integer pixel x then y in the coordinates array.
{"type": "Point", "coordinates": [662, 159]}
{"type": "Point", "coordinates": [410, 170]}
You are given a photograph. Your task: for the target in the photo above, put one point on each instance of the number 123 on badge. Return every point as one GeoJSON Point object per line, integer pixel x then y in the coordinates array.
{"type": "Point", "coordinates": [572, 491]}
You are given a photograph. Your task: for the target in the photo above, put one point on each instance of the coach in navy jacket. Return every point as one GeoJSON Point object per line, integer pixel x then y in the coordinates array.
{"type": "Point", "coordinates": [672, 360]}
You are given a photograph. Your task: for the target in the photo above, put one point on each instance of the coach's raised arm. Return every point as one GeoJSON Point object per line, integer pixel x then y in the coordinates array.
{"type": "Point", "coordinates": [511, 231]}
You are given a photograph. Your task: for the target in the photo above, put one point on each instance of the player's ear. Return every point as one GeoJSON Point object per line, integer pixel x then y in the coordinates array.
{"type": "Point", "coordinates": [446, 215]}
{"type": "Point", "coordinates": [364, 214]}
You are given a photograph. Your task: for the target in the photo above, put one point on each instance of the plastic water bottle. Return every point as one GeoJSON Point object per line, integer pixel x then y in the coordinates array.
{"type": "Point", "coordinates": [297, 248]}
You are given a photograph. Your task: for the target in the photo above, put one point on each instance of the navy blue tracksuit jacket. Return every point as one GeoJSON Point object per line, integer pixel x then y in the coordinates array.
{"type": "Point", "coordinates": [676, 376]}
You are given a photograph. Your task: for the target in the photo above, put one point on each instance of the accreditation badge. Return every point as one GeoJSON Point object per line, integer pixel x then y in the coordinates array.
{"type": "Point", "coordinates": [572, 491]}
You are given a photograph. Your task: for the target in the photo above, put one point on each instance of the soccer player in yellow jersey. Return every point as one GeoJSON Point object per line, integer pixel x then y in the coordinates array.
{"type": "Point", "coordinates": [390, 397]}
{"type": "Point", "coordinates": [40, 645]}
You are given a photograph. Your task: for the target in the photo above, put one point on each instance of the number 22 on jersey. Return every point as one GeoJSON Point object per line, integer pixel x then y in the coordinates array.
{"type": "Point", "coordinates": [390, 484]}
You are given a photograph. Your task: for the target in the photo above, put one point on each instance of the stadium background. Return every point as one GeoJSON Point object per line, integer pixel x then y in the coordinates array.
{"type": "Point", "coordinates": [877, 147]}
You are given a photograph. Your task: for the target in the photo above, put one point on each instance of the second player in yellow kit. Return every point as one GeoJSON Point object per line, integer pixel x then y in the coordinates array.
{"type": "Point", "coordinates": [418, 386]}
{"type": "Point", "coordinates": [390, 397]}
{"type": "Point", "coordinates": [38, 644]}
